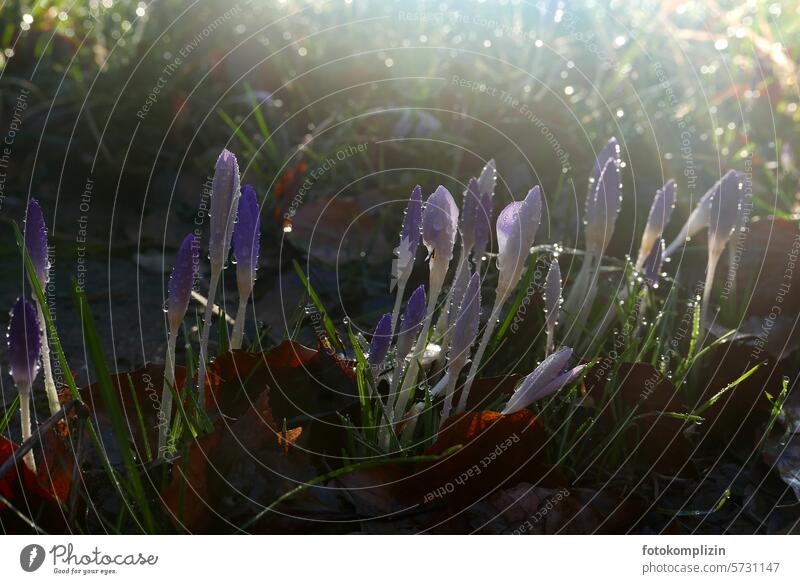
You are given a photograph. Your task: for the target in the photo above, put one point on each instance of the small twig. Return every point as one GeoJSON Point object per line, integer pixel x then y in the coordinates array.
{"type": "Point", "coordinates": [26, 446]}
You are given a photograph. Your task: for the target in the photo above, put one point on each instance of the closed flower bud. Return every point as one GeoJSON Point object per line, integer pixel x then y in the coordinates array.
{"type": "Point", "coordinates": [602, 203]}
{"type": "Point", "coordinates": [653, 262]}
{"type": "Point", "coordinates": [381, 340]}
{"type": "Point", "coordinates": [181, 281]}
{"type": "Point", "coordinates": [439, 224]}
{"type": "Point", "coordinates": [469, 215]}
{"type": "Point", "coordinates": [550, 376]}
{"type": "Point", "coordinates": [24, 344]}
{"type": "Point", "coordinates": [409, 236]}
{"type": "Point", "coordinates": [411, 322]}
{"type": "Point", "coordinates": [246, 239]}
{"type": "Point", "coordinates": [36, 241]}
{"type": "Point", "coordinates": [224, 201]}
{"type": "Point", "coordinates": [466, 327]}
{"type": "Point", "coordinates": [657, 220]}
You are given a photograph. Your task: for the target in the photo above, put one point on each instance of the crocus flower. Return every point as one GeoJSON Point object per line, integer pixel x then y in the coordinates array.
{"type": "Point", "coordinates": [700, 217]}
{"type": "Point", "coordinates": [406, 251]}
{"type": "Point", "coordinates": [550, 376]}
{"type": "Point", "coordinates": [224, 201]}
{"type": "Point", "coordinates": [24, 346]}
{"type": "Point", "coordinates": [381, 339]}
{"type": "Point", "coordinates": [36, 246]}
{"type": "Point", "coordinates": [552, 303]}
{"type": "Point", "coordinates": [516, 230]}
{"type": "Point", "coordinates": [410, 327]}
{"type": "Point", "coordinates": [411, 323]}
{"type": "Point", "coordinates": [246, 245]}
{"type": "Point", "coordinates": [653, 262]}
{"type": "Point", "coordinates": [723, 215]}
{"type": "Point", "coordinates": [439, 227]}
{"type": "Point", "coordinates": [466, 327]}
{"type": "Point", "coordinates": [600, 216]}
{"type": "Point", "coordinates": [483, 215]}
{"type": "Point", "coordinates": [657, 220]}
{"type": "Point", "coordinates": [181, 281]}
{"type": "Point", "coordinates": [36, 241]}
{"type": "Point", "coordinates": [602, 203]}
{"type": "Point", "coordinates": [180, 286]}
{"type": "Point", "coordinates": [469, 216]}
{"type": "Point", "coordinates": [464, 335]}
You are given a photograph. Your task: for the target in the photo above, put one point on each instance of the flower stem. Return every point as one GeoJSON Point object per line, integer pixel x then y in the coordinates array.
{"type": "Point", "coordinates": [25, 419]}
{"type": "Point", "coordinates": [398, 302]}
{"type": "Point", "coordinates": [203, 354]}
{"type": "Point", "coordinates": [165, 414]}
{"type": "Point", "coordinates": [238, 326]}
{"type": "Point", "coordinates": [49, 382]}
{"type": "Point", "coordinates": [476, 360]}
{"type": "Point", "coordinates": [419, 346]}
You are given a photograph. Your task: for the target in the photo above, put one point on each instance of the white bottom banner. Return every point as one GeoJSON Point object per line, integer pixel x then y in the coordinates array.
{"type": "Point", "coordinates": [399, 558]}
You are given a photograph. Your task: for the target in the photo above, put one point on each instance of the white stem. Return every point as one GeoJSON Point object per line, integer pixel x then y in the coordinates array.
{"type": "Point", "coordinates": [165, 413]}
{"type": "Point", "coordinates": [449, 389]}
{"type": "Point", "coordinates": [398, 302]}
{"type": "Point", "coordinates": [25, 419]}
{"type": "Point", "coordinates": [238, 327]}
{"type": "Point", "coordinates": [476, 359]}
{"type": "Point", "coordinates": [204, 336]}
{"type": "Point", "coordinates": [49, 382]}
{"type": "Point", "coordinates": [713, 258]}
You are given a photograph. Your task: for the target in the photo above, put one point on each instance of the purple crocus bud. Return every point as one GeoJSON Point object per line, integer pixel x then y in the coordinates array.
{"type": "Point", "coordinates": [487, 179]}
{"type": "Point", "coordinates": [469, 215]}
{"type": "Point", "coordinates": [24, 344]}
{"type": "Point", "coordinates": [550, 376]}
{"type": "Point", "coordinates": [466, 328]}
{"type": "Point", "coordinates": [652, 264]}
{"type": "Point", "coordinates": [657, 220]}
{"type": "Point", "coordinates": [602, 203]}
{"type": "Point", "coordinates": [409, 237]}
{"type": "Point", "coordinates": [181, 281]}
{"type": "Point", "coordinates": [224, 198]}
{"type": "Point", "coordinates": [724, 210]}
{"type": "Point", "coordinates": [439, 224]}
{"type": "Point", "coordinates": [700, 217]}
{"type": "Point", "coordinates": [516, 229]}
{"type": "Point", "coordinates": [483, 226]}
{"type": "Point", "coordinates": [36, 241]}
{"type": "Point", "coordinates": [246, 239]}
{"type": "Point", "coordinates": [411, 322]}
{"type": "Point", "coordinates": [381, 339]}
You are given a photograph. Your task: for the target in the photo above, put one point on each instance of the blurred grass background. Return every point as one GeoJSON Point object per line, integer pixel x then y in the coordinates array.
{"type": "Point", "coordinates": [139, 97]}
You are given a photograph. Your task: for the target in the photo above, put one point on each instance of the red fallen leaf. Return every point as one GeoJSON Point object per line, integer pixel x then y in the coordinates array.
{"type": "Point", "coordinates": [657, 440]}
{"type": "Point", "coordinates": [203, 482]}
{"type": "Point", "coordinates": [36, 495]}
{"type": "Point", "coordinates": [304, 383]}
{"type": "Point", "coordinates": [495, 451]}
